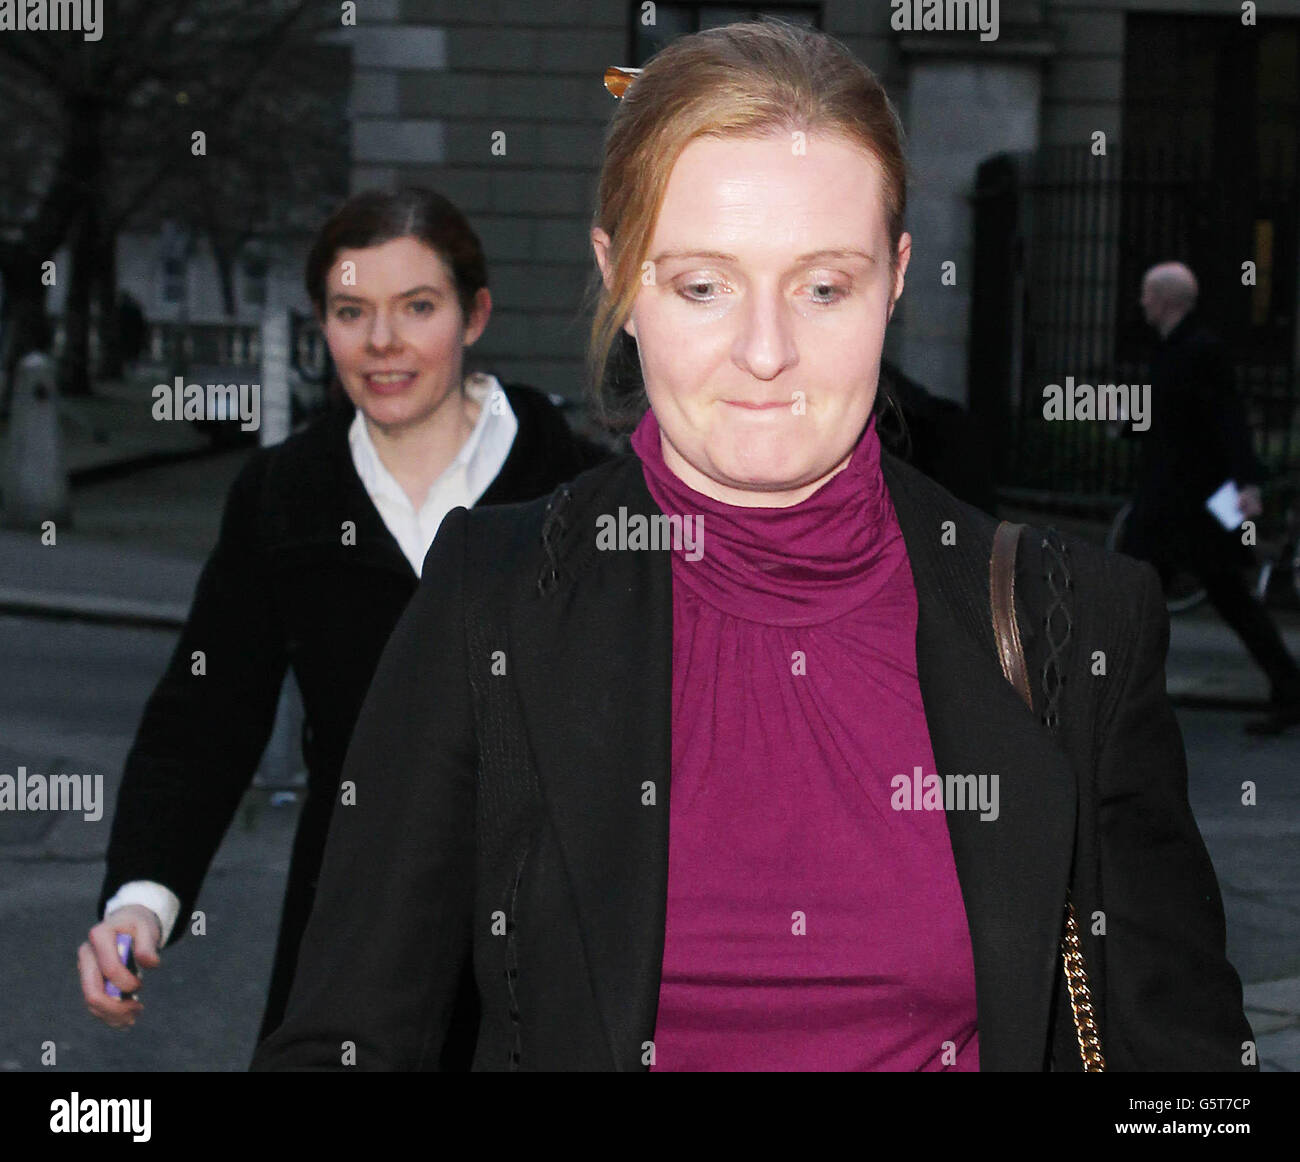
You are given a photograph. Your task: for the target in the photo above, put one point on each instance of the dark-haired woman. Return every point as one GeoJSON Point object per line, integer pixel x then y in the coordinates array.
{"type": "Point", "coordinates": [321, 547]}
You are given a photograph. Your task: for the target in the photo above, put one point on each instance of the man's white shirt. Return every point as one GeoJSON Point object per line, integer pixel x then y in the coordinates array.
{"type": "Point", "coordinates": [461, 483]}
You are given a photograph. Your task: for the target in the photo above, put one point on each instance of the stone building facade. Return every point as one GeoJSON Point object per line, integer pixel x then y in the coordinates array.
{"type": "Point", "coordinates": [434, 80]}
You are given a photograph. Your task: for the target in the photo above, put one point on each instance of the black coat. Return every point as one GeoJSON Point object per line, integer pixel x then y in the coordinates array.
{"type": "Point", "coordinates": [280, 589]}
{"type": "Point", "coordinates": [524, 701]}
{"type": "Point", "coordinates": [1198, 438]}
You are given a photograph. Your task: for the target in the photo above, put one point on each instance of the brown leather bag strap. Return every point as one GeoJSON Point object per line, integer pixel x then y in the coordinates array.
{"type": "Point", "coordinates": [1011, 653]}
{"type": "Point", "coordinates": [1002, 597]}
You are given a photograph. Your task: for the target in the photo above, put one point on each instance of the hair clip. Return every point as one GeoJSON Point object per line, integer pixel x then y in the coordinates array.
{"type": "Point", "coordinates": [617, 79]}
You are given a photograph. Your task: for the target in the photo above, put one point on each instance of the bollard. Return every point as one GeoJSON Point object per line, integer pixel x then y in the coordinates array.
{"type": "Point", "coordinates": [276, 400]}
{"type": "Point", "coordinates": [35, 481]}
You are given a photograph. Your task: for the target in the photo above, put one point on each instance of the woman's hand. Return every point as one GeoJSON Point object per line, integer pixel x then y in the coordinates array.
{"type": "Point", "coordinates": [97, 959]}
{"type": "Point", "coordinates": [1250, 501]}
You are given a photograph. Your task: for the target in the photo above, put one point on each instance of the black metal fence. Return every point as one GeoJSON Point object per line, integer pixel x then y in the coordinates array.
{"type": "Point", "coordinates": [1062, 239]}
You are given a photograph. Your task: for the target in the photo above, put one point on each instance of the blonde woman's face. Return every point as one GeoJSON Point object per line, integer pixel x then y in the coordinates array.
{"type": "Point", "coordinates": [762, 313]}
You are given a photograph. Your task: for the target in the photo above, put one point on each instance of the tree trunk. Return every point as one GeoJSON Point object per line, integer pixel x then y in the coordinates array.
{"type": "Point", "coordinates": [74, 366]}
{"type": "Point", "coordinates": [110, 329]}
{"type": "Point", "coordinates": [23, 323]}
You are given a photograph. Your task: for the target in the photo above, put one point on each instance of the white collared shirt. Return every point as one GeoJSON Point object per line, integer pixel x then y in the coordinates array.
{"type": "Point", "coordinates": [461, 483]}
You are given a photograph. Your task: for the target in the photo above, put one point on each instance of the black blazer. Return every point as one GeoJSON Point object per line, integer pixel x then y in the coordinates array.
{"type": "Point", "coordinates": [524, 701]}
{"type": "Point", "coordinates": [1199, 434]}
{"type": "Point", "coordinates": [280, 589]}
{"type": "Point", "coordinates": [1199, 437]}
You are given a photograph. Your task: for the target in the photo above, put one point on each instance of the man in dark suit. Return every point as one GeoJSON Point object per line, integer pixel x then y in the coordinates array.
{"type": "Point", "coordinates": [1198, 439]}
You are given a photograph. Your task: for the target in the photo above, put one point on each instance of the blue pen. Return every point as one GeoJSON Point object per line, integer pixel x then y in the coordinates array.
{"type": "Point", "coordinates": [125, 956]}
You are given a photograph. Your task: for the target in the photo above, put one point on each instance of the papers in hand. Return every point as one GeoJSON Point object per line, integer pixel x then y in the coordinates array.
{"type": "Point", "coordinates": [1225, 504]}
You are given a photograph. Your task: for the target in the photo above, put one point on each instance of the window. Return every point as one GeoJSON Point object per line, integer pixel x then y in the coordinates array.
{"type": "Point", "coordinates": [674, 20]}
{"type": "Point", "coordinates": [175, 278]}
{"type": "Point", "coordinates": [254, 271]}
{"type": "Point", "coordinates": [1211, 170]}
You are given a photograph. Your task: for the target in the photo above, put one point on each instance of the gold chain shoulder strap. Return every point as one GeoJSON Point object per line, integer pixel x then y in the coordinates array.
{"type": "Point", "coordinates": [1006, 632]}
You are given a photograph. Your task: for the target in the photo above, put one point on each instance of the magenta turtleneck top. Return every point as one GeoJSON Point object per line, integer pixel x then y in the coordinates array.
{"type": "Point", "coordinates": [809, 925]}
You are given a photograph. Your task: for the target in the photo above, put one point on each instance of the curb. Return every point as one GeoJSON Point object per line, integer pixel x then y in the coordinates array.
{"type": "Point", "coordinates": [113, 469]}
{"type": "Point", "coordinates": [1192, 701]}
{"type": "Point", "coordinates": [120, 611]}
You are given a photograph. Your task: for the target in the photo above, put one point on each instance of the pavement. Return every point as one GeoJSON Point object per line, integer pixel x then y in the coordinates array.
{"type": "Point", "coordinates": [121, 557]}
{"type": "Point", "coordinates": [131, 562]}
{"type": "Point", "coordinates": [113, 432]}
